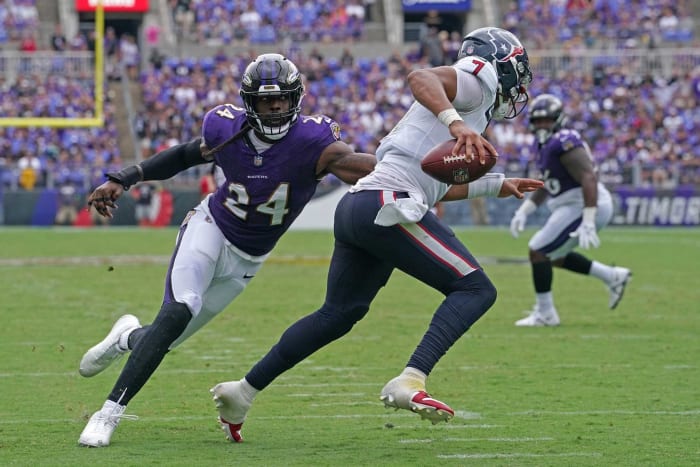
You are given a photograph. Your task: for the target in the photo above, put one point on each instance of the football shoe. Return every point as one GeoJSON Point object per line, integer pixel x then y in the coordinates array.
{"type": "Point", "coordinates": [408, 393]}
{"type": "Point", "coordinates": [620, 278]}
{"type": "Point", "coordinates": [106, 352]}
{"type": "Point", "coordinates": [537, 318]}
{"type": "Point", "coordinates": [98, 431]}
{"type": "Point", "coordinates": [233, 408]}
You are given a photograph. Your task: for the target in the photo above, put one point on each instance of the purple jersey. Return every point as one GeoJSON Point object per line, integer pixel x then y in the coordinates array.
{"type": "Point", "coordinates": [263, 193]}
{"type": "Point", "coordinates": [557, 179]}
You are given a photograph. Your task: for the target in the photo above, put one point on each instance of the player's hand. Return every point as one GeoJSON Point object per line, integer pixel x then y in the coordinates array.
{"type": "Point", "coordinates": [518, 187]}
{"type": "Point", "coordinates": [104, 197]}
{"type": "Point", "coordinates": [586, 232]}
{"type": "Point", "coordinates": [470, 143]}
{"type": "Point", "coordinates": [587, 236]}
{"type": "Point", "coordinates": [517, 223]}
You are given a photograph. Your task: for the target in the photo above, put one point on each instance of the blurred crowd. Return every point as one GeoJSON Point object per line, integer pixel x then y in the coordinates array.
{"type": "Point", "coordinates": [600, 24]}
{"type": "Point", "coordinates": [269, 21]}
{"type": "Point", "coordinates": [642, 128]}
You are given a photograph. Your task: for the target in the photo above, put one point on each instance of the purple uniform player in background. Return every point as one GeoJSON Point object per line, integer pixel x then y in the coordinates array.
{"type": "Point", "coordinates": [579, 205]}
{"type": "Point", "coordinates": [272, 158]}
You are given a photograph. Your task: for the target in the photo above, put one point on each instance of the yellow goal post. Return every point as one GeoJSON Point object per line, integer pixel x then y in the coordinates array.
{"type": "Point", "coordinates": [97, 120]}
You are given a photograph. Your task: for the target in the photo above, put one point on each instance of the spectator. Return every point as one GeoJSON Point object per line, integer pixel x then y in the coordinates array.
{"type": "Point", "coordinates": [69, 200]}
{"type": "Point", "coordinates": [30, 171]}
{"type": "Point", "coordinates": [147, 203]}
{"type": "Point", "coordinates": [58, 39]}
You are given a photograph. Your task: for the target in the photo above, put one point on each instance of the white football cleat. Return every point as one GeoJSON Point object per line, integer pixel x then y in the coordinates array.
{"type": "Point", "coordinates": [233, 408]}
{"type": "Point", "coordinates": [620, 278]}
{"type": "Point", "coordinates": [98, 432]}
{"type": "Point", "coordinates": [539, 319]}
{"type": "Point", "coordinates": [106, 352]}
{"type": "Point", "coordinates": [408, 393]}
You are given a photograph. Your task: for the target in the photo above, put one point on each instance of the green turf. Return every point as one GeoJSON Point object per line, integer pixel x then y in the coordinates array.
{"type": "Point", "coordinates": [608, 388]}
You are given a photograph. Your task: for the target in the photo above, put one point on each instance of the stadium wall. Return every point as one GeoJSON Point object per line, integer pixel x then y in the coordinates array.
{"type": "Point", "coordinates": [633, 207]}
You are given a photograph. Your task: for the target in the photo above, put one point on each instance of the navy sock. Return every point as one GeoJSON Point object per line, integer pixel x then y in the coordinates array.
{"type": "Point", "coordinates": [542, 276]}
{"type": "Point", "coordinates": [150, 350]}
{"type": "Point", "coordinates": [455, 315]}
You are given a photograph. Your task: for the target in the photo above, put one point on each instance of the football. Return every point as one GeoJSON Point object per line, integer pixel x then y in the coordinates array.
{"type": "Point", "coordinates": [440, 164]}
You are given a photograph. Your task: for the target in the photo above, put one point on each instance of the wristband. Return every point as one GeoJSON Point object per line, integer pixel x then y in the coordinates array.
{"type": "Point", "coordinates": [126, 177]}
{"type": "Point", "coordinates": [589, 215]}
{"type": "Point", "coordinates": [488, 185]}
{"type": "Point", "coordinates": [449, 116]}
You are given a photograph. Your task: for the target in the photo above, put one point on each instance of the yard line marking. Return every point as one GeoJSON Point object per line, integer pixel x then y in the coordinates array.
{"type": "Point", "coordinates": [689, 413]}
{"type": "Point", "coordinates": [473, 440]}
{"type": "Point", "coordinates": [131, 260]}
{"type": "Point", "coordinates": [346, 404]}
{"type": "Point", "coordinates": [193, 418]}
{"type": "Point", "coordinates": [446, 426]}
{"type": "Point", "coordinates": [516, 455]}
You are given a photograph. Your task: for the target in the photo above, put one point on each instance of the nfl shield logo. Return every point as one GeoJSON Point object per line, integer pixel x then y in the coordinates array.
{"type": "Point", "coordinates": [257, 161]}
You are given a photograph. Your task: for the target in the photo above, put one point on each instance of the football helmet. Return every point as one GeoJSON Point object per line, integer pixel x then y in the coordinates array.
{"type": "Point", "coordinates": [550, 108]}
{"type": "Point", "coordinates": [508, 56]}
{"type": "Point", "coordinates": [272, 75]}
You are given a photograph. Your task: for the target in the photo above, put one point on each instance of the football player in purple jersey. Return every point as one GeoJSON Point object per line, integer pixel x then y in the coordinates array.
{"type": "Point", "coordinates": [579, 205]}
{"type": "Point", "coordinates": [384, 223]}
{"type": "Point", "coordinates": [272, 158]}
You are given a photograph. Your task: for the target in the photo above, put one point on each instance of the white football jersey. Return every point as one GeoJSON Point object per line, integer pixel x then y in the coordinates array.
{"type": "Point", "coordinates": [401, 151]}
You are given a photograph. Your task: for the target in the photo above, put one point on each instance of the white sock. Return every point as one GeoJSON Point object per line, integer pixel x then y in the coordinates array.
{"type": "Point", "coordinates": [123, 342]}
{"type": "Point", "coordinates": [414, 373]}
{"type": "Point", "coordinates": [111, 405]}
{"type": "Point", "coordinates": [544, 301]}
{"type": "Point", "coordinates": [601, 271]}
{"type": "Point", "coordinates": [248, 391]}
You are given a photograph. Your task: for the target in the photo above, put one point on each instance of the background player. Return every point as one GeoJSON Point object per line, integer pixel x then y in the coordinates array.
{"type": "Point", "coordinates": [384, 223]}
{"type": "Point", "coordinates": [579, 206]}
{"type": "Point", "coordinates": [272, 158]}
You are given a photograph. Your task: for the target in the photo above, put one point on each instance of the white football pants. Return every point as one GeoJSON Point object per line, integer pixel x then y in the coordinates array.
{"type": "Point", "coordinates": [207, 272]}
{"type": "Point", "coordinates": [564, 211]}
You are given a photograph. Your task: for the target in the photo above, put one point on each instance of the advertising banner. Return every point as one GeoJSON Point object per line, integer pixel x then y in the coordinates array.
{"type": "Point", "coordinates": [122, 6]}
{"type": "Point", "coordinates": [652, 206]}
{"type": "Point", "coordinates": [417, 6]}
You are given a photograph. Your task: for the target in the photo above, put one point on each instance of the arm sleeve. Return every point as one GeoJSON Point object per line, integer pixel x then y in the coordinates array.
{"type": "Point", "coordinates": [173, 160]}
{"type": "Point", "coordinates": [162, 165]}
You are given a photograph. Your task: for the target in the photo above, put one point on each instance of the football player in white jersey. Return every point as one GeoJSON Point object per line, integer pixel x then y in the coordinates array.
{"type": "Point", "coordinates": [579, 205]}
{"type": "Point", "coordinates": [384, 223]}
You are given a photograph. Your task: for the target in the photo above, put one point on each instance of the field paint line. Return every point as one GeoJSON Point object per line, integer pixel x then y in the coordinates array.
{"type": "Point", "coordinates": [131, 260]}
{"type": "Point", "coordinates": [329, 394]}
{"type": "Point", "coordinates": [213, 416]}
{"type": "Point", "coordinates": [467, 415]}
{"type": "Point", "coordinates": [344, 404]}
{"type": "Point", "coordinates": [515, 455]}
{"type": "Point", "coordinates": [474, 440]}
{"type": "Point", "coordinates": [683, 413]}
{"type": "Point", "coordinates": [575, 366]}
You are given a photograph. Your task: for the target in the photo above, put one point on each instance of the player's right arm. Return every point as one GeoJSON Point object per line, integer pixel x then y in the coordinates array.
{"type": "Point", "coordinates": [436, 89]}
{"type": "Point", "coordinates": [160, 166]}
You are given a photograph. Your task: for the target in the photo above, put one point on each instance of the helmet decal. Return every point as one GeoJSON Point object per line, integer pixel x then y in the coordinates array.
{"type": "Point", "coordinates": [508, 57]}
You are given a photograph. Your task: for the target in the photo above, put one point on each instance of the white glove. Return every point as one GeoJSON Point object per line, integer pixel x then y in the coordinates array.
{"type": "Point", "coordinates": [586, 232]}
{"type": "Point", "coordinates": [517, 224]}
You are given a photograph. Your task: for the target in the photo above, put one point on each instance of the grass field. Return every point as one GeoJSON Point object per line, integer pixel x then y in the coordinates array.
{"type": "Point", "coordinates": [608, 388]}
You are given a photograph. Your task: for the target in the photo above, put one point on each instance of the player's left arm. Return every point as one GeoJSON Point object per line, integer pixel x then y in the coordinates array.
{"type": "Point", "coordinates": [502, 188]}
{"type": "Point", "coordinates": [340, 160]}
{"type": "Point", "coordinates": [579, 165]}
